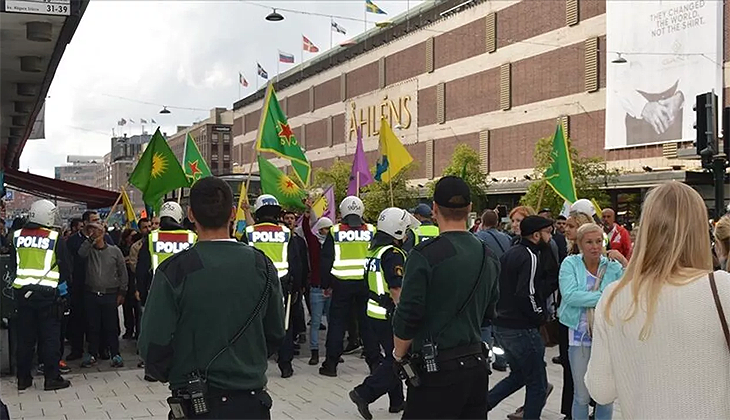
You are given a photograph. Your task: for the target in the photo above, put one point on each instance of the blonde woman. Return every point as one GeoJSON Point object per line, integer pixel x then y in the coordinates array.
{"type": "Point", "coordinates": [575, 221]}
{"type": "Point", "coordinates": [664, 299]}
{"type": "Point", "coordinates": [722, 241]}
{"type": "Point", "coordinates": [583, 277]}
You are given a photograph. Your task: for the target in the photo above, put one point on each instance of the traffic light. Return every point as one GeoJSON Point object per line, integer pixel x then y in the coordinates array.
{"type": "Point", "coordinates": [706, 127]}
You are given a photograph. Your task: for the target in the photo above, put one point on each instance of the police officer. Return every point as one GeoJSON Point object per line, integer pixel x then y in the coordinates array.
{"type": "Point", "coordinates": [40, 288]}
{"type": "Point", "coordinates": [343, 256]}
{"type": "Point", "coordinates": [161, 244]}
{"type": "Point", "coordinates": [384, 274]}
{"type": "Point", "coordinates": [215, 314]}
{"type": "Point", "coordinates": [275, 240]}
{"type": "Point", "coordinates": [449, 288]}
{"type": "Point", "coordinates": [423, 231]}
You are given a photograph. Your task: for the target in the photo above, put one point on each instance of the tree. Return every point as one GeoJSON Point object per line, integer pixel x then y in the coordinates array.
{"type": "Point", "coordinates": [376, 196]}
{"type": "Point", "coordinates": [589, 174]}
{"type": "Point", "coordinates": [466, 163]}
{"type": "Point", "coordinates": [338, 175]}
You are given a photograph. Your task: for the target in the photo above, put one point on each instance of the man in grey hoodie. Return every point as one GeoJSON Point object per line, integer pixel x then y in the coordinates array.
{"type": "Point", "coordinates": [106, 286]}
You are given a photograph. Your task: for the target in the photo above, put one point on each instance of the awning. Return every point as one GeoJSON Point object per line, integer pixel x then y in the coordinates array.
{"type": "Point", "coordinates": [51, 188]}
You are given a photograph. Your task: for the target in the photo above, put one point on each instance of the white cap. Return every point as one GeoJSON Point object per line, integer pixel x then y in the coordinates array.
{"type": "Point", "coordinates": [265, 200]}
{"type": "Point", "coordinates": [583, 206]}
{"type": "Point", "coordinates": [323, 222]}
{"type": "Point", "coordinates": [43, 212]}
{"type": "Point", "coordinates": [395, 222]}
{"type": "Point", "coordinates": [173, 210]}
{"type": "Point", "coordinates": [351, 205]}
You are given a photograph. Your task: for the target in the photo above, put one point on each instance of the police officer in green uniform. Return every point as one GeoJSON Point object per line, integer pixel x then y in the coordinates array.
{"type": "Point", "coordinates": [215, 315]}
{"type": "Point", "coordinates": [40, 285]}
{"type": "Point", "coordinates": [423, 232]}
{"type": "Point", "coordinates": [384, 273]}
{"type": "Point", "coordinates": [344, 255]}
{"type": "Point", "coordinates": [449, 288]}
{"type": "Point", "coordinates": [275, 240]}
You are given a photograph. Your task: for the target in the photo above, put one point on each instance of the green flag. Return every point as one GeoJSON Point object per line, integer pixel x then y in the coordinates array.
{"type": "Point", "coordinates": [193, 162]}
{"type": "Point", "coordinates": [276, 136]}
{"type": "Point", "coordinates": [158, 172]}
{"type": "Point", "coordinates": [559, 175]}
{"type": "Point", "coordinates": [276, 183]}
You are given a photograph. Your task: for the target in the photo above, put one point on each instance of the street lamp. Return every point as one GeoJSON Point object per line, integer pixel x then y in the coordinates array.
{"type": "Point", "coordinates": [619, 60]}
{"type": "Point", "coordinates": [165, 110]}
{"type": "Point", "coordinates": [274, 16]}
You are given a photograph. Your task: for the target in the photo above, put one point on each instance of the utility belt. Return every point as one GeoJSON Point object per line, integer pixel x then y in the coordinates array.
{"type": "Point", "coordinates": [416, 368]}
{"type": "Point", "coordinates": [196, 399]}
{"type": "Point", "coordinates": [385, 301]}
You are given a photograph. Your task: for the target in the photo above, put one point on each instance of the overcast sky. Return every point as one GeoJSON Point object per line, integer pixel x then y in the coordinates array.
{"type": "Point", "coordinates": [175, 53]}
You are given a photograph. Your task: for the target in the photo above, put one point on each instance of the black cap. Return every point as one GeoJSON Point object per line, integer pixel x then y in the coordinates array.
{"type": "Point", "coordinates": [452, 192]}
{"type": "Point", "coordinates": [532, 224]}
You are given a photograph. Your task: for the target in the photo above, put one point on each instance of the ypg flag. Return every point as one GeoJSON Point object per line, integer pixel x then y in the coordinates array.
{"type": "Point", "coordinates": [193, 162]}
{"type": "Point", "coordinates": [158, 172]}
{"type": "Point", "coordinates": [276, 183]}
{"type": "Point", "coordinates": [276, 136]}
{"type": "Point", "coordinates": [559, 175]}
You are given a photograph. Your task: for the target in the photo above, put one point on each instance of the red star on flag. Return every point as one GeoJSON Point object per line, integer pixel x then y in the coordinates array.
{"type": "Point", "coordinates": [289, 184]}
{"type": "Point", "coordinates": [285, 133]}
{"type": "Point", "coordinates": [194, 168]}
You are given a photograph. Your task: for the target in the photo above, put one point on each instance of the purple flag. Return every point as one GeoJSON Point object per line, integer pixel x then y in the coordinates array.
{"type": "Point", "coordinates": [359, 168]}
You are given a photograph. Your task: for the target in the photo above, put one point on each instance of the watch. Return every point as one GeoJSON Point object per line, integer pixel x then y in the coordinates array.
{"type": "Point", "coordinates": [395, 356]}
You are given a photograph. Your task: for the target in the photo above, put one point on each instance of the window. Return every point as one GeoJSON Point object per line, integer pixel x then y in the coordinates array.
{"type": "Point", "coordinates": [214, 157]}
{"type": "Point", "coordinates": [226, 158]}
{"type": "Point", "coordinates": [226, 137]}
{"type": "Point", "coordinates": [214, 138]}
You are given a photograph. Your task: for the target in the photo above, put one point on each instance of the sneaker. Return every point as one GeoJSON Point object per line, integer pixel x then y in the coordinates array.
{"type": "Point", "coordinates": [140, 364]}
{"type": "Point", "coordinates": [88, 361]}
{"type": "Point", "coordinates": [54, 384]}
{"type": "Point", "coordinates": [351, 348]}
{"type": "Point", "coordinates": [40, 370]}
{"type": "Point", "coordinates": [63, 367]}
{"type": "Point", "coordinates": [117, 361]}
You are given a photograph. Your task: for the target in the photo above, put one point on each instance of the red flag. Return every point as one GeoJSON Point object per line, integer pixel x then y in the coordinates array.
{"type": "Point", "coordinates": [242, 80]}
{"type": "Point", "coordinates": [309, 45]}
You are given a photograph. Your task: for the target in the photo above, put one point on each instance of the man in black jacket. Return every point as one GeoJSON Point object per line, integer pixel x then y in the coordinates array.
{"type": "Point", "coordinates": [520, 312]}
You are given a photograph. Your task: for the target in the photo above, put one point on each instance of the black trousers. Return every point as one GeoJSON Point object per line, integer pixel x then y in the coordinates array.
{"type": "Point", "coordinates": [77, 322]}
{"type": "Point", "coordinates": [103, 321]}
{"type": "Point", "coordinates": [237, 405]}
{"type": "Point", "coordinates": [383, 380]}
{"type": "Point", "coordinates": [38, 323]}
{"type": "Point", "coordinates": [456, 394]}
{"type": "Point", "coordinates": [286, 351]}
{"type": "Point", "coordinates": [566, 402]}
{"type": "Point", "coordinates": [349, 296]}
{"type": "Point", "coordinates": [132, 315]}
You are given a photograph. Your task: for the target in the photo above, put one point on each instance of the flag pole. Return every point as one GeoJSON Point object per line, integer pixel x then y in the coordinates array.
{"type": "Point", "coordinates": [357, 184]}
{"type": "Point", "coordinates": [111, 211]}
{"type": "Point", "coordinates": [542, 192]}
{"type": "Point", "coordinates": [331, 24]}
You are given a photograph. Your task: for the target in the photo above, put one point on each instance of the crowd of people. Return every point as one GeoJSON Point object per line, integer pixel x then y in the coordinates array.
{"type": "Point", "coordinates": [389, 289]}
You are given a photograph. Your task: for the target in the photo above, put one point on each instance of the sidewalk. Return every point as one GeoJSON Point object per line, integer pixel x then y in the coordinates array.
{"type": "Point", "coordinates": [123, 394]}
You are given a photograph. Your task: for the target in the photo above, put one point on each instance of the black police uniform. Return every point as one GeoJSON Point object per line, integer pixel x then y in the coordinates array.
{"type": "Point", "coordinates": [384, 379]}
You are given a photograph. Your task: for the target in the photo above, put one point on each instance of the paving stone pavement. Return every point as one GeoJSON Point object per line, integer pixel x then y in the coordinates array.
{"type": "Point", "coordinates": [103, 393]}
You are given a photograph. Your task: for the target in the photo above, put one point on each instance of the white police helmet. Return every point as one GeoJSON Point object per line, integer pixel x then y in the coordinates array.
{"type": "Point", "coordinates": [43, 212]}
{"type": "Point", "coordinates": [395, 222]}
{"type": "Point", "coordinates": [583, 206]}
{"type": "Point", "coordinates": [265, 200]}
{"type": "Point", "coordinates": [351, 205]}
{"type": "Point", "coordinates": [173, 210]}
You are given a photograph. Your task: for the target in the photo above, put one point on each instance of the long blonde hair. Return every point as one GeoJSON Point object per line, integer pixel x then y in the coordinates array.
{"type": "Point", "coordinates": [581, 219]}
{"type": "Point", "coordinates": [672, 247]}
{"type": "Point", "coordinates": [722, 235]}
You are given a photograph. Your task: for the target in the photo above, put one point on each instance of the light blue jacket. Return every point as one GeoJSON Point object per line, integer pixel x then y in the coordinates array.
{"type": "Point", "coordinates": [575, 298]}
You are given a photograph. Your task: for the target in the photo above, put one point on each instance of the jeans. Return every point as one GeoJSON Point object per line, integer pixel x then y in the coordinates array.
{"type": "Point", "coordinates": [488, 337]}
{"type": "Point", "coordinates": [103, 322]}
{"type": "Point", "coordinates": [525, 354]}
{"type": "Point", "coordinates": [579, 357]}
{"type": "Point", "coordinates": [319, 306]}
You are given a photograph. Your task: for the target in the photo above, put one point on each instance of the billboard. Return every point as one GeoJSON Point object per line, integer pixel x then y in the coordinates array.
{"type": "Point", "coordinates": [673, 52]}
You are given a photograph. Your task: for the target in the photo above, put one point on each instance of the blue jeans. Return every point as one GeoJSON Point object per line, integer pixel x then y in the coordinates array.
{"type": "Point", "coordinates": [579, 357]}
{"type": "Point", "coordinates": [488, 338]}
{"type": "Point", "coordinates": [319, 305]}
{"type": "Point", "coordinates": [525, 354]}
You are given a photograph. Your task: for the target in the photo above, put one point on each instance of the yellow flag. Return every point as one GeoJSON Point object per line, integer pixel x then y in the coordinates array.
{"type": "Point", "coordinates": [240, 222]}
{"type": "Point", "coordinates": [128, 208]}
{"type": "Point", "coordinates": [597, 207]}
{"type": "Point", "coordinates": [393, 155]}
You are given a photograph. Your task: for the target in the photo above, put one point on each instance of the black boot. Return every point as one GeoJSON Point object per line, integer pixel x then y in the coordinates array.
{"type": "Point", "coordinates": [314, 360]}
{"type": "Point", "coordinates": [362, 405]}
{"type": "Point", "coordinates": [24, 383]}
{"type": "Point", "coordinates": [54, 384]}
{"type": "Point", "coordinates": [329, 368]}
{"type": "Point", "coordinates": [286, 370]}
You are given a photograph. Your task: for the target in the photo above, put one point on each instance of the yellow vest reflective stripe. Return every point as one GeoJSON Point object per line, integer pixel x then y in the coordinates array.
{"type": "Point", "coordinates": [36, 258]}
{"type": "Point", "coordinates": [351, 248]}
{"type": "Point", "coordinates": [272, 240]}
{"type": "Point", "coordinates": [426, 232]}
{"type": "Point", "coordinates": [376, 281]}
{"type": "Point", "coordinates": [164, 244]}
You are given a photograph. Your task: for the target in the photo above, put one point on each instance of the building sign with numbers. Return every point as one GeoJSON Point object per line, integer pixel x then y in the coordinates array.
{"type": "Point", "coordinates": [41, 7]}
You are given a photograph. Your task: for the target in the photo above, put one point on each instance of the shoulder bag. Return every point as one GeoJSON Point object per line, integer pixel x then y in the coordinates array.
{"type": "Point", "coordinates": [720, 311]}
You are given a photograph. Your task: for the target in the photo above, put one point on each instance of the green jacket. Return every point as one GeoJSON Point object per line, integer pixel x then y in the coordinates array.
{"type": "Point", "coordinates": [198, 301]}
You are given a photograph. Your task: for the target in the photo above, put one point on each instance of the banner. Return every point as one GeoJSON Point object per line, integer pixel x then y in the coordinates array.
{"type": "Point", "coordinates": [672, 50]}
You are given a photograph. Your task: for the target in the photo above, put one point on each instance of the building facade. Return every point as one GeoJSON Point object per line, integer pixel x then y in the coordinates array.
{"type": "Point", "coordinates": [495, 75]}
{"type": "Point", "coordinates": [81, 169]}
{"type": "Point", "coordinates": [214, 139]}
